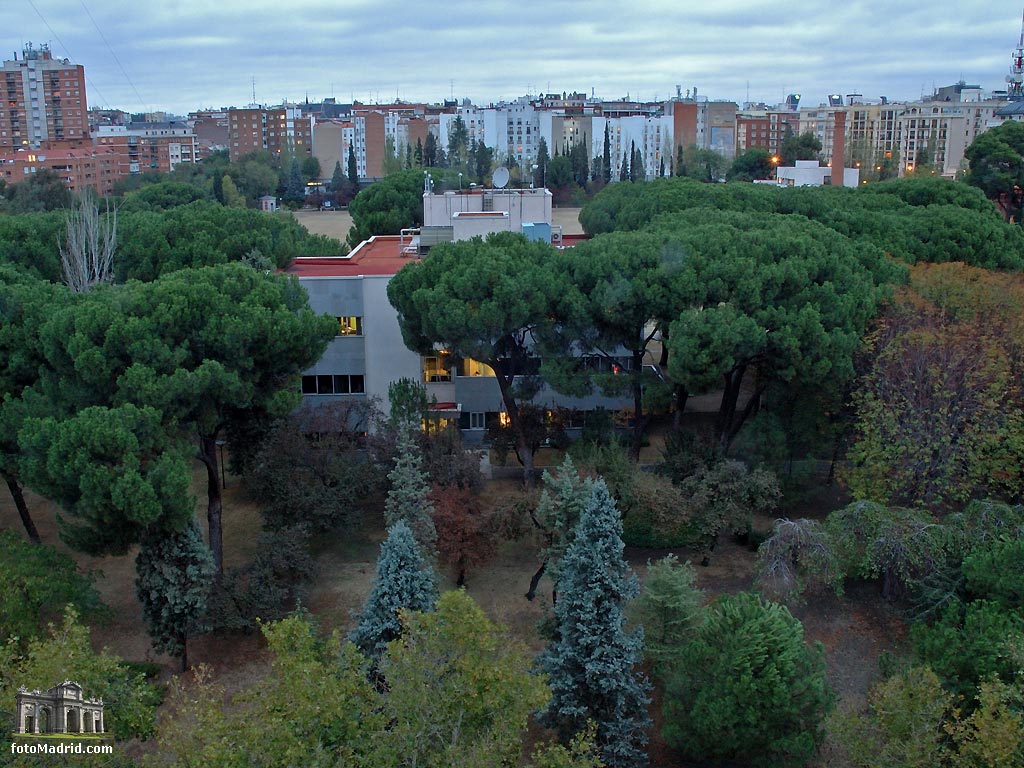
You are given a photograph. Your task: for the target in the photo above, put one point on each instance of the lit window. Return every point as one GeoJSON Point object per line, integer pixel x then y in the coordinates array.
{"type": "Point", "coordinates": [436, 369]}
{"type": "Point", "coordinates": [472, 367]}
{"type": "Point", "coordinates": [350, 326]}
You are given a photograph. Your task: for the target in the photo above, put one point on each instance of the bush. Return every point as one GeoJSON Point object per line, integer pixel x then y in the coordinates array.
{"type": "Point", "coordinates": [748, 688]}
{"type": "Point", "coordinates": [269, 587]}
{"type": "Point", "coordinates": [656, 514]}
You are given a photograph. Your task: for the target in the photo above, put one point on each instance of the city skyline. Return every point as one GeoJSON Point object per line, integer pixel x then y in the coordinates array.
{"type": "Point", "coordinates": [188, 55]}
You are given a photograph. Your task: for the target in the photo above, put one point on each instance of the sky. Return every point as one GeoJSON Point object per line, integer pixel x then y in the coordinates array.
{"type": "Point", "coordinates": [183, 55]}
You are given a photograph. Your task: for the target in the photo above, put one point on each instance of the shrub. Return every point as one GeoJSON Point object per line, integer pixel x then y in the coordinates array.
{"type": "Point", "coordinates": [656, 514]}
{"type": "Point", "coordinates": [748, 688]}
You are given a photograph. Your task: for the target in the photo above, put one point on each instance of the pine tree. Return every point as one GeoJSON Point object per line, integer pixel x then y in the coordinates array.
{"type": "Point", "coordinates": [404, 580]}
{"type": "Point", "coordinates": [606, 167]}
{"type": "Point", "coordinates": [542, 163]}
{"type": "Point", "coordinates": [590, 666]}
{"type": "Point", "coordinates": [408, 498]}
{"type": "Point", "coordinates": [637, 170]}
{"type": "Point", "coordinates": [418, 153]}
{"type": "Point", "coordinates": [173, 577]}
{"type": "Point", "coordinates": [430, 151]}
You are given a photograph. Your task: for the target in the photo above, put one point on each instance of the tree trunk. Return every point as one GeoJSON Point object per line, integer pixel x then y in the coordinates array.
{"type": "Point", "coordinates": [532, 592]}
{"type": "Point", "coordinates": [23, 513]}
{"type": "Point", "coordinates": [184, 653]}
{"type": "Point", "coordinates": [208, 455]}
{"type": "Point", "coordinates": [681, 396]}
{"type": "Point", "coordinates": [638, 406]}
{"type": "Point", "coordinates": [727, 409]}
{"type": "Point", "coordinates": [512, 408]}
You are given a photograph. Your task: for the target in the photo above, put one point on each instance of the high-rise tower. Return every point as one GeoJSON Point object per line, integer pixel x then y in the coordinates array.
{"type": "Point", "coordinates": [43, 101]}
{"type": "Point", "coordinates": [1015, 80]}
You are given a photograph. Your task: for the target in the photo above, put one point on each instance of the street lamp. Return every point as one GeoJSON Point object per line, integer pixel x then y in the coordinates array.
{"type": "Point", "coordinates": [460, 182]}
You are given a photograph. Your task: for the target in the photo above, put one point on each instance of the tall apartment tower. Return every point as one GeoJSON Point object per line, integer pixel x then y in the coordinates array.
{"type": "Point", "coordinates": [43, 101]}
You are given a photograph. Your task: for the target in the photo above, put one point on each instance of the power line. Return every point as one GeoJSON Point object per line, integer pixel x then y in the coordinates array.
{"type": "Point", "coordinates": [56, 37]}
{"type": "Point", "coordinates": [142, 102]}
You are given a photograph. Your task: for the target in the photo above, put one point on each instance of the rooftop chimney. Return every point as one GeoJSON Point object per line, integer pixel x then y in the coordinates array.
{"type": "Point", "coordinates": [839, 149]}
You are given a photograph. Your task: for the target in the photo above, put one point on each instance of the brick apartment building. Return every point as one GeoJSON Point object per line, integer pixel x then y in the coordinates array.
{"type": "Point", "coordinates": [87, 166]}
{"type": "Point", "coordinates": [150, 146]}
{"type": "Point", "coordinates": [258, 128]}
{"type": "Point", "coordinates": [43, 101]}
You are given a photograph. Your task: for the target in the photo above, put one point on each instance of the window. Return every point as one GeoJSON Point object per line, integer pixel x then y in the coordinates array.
{"type": "Point", "coordinates": [472, 367]}
{"type": "Point", "coordinates": [350, 326]}
{"type": "Point", "coordinates": [477, 421]}
{"type": "Point", "coordinates": [333, 384]}
{"type": "Point", "coordinates": [436, 369]}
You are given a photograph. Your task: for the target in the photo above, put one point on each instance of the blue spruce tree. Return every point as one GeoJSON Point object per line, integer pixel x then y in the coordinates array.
{"type": "Point", "coordinates": [404, 580]}
{"type": "Point", "coordinates": [591, 666]}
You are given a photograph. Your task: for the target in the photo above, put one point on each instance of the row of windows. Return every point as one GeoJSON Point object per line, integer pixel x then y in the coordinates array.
{"type": "Point", "coordinates": [333, 384]}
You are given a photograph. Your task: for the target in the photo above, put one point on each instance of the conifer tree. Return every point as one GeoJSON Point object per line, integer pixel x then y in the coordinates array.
{"type": "Point", "coordinates": [624, 170]}
{"type": "Point", "coordinates": [408, 498]}
{"type": "Point", "coordinates": [173, 576]}
{"type": "Point", "coordinates": [353, 169]}
{"type": "Point", "coordinates": [404, 580]}
{"type": "Point", "coordinates": [606, 165]}
{"type": "Point", "coordinates": [295, 191]}
{"type": "Point", "coordinates": [591, 664]}
{"type": "Point", "coordinates": [337, 179]}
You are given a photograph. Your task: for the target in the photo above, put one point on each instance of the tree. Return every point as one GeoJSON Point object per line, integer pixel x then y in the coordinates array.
{"type": "Point", "coordinates": [628, 285]}
{"type": "Point", "coordinates": [543, 160]}
{"type": "Point", "coordinates": [42, 191]}
{"type": "Point", "coordinates": [36, 583]}
{"type": "Point", "coordinates": [190, 356]}
{"type": "Point", "coordinates": [624, 174]}
{"type": "Point", "coordinates": [418, 153]}
{"type": "Point", "coordinates": [315, 481]}
{"type": "Point", "coordinates": [295, 189]}
{"type": "Point", "coordinates": [404, 581]}
{"type": "Point", "coordinates": [670, 609]}
{"type": "Point", "coordinates": [392, 162]}
{"type": "Point", "coordinates": [559, 173]}
{"type": "Point", "coordinates": [231, 196]}
{"type": "Point", "coordinates": [804, 146]}
{"type": "Point", "coordinates": [637, 166]}
{"type": "Point", "coordinates": [311, 170]}
{"type": "Point", "coordinates": [430, 151]}
{"type": "Point", "coordinates": [755, 163]}
{"type": "Point", "coordinates": [88, 258]}
{"type": "Point", "coordinates": [113, 471]}
{"type": "Point", "coordinates": [466, 536]}
{"type": "Point", "coordinates": [460, 693]}
{"type": "Point", "coordinates": [996, 162]}
{"type": "Point", "coordinates": [558, 512]}
{"type": "Point", "coordinates": [591, 663]}
{"type": "Point", "coordinates": [337, 184]}
{"type": "Point", "coordinates": [173, 570]}
{"type": "Point", "coordinates": [353, 170]}
{"type": "Point", "coordinates": [606, 157]}
{"type": "Point", "coordinates": [387, 206]}
{"type": "Point", "coordinates": [408, 498]}
{"type": "Point", "coordinates": [485, 301]}
{"type": "Point", "coordinates": [748, 688]}
{"type": "Point", "coordinates": [458, 142]}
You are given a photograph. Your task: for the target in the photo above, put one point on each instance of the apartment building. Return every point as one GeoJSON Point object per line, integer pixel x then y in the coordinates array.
{"type": "Point", "coordinates": [96, 167]}
{"type": "Point", "coordinates": [764, 128]}
{"type": "Point", "coordinates": [148, 147]}
{"type": "Point", "coordinates": [44, 101]}
{"type": "Point", "coordinates": [274, 129]}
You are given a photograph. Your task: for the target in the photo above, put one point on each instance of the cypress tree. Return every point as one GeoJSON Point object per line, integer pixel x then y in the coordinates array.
{"type": "Point", "coordinates": [624, 170]}
{"type": "Point", "coordinates": [173, 576]}
{"type": "Point", "coordinates": [408, 498]}
{"type": "Point", "coordinates": [337, 179]}
{"type": "Point", "coordinates": [295, 191]}
{"type": "Point", "coordinates": [591, 664]}
{"type": "Point", "coordinates": [404, 580]}
{"type": "Point", "coordinates": [418, 153]}
{"type": "Point", "coordinates": [353, 171]}
{"type": "Point", "coordinates": [606, 167]}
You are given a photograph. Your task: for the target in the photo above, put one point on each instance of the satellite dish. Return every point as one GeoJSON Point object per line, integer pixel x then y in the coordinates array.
{"type": "Point", "coordinates": [500, 177]}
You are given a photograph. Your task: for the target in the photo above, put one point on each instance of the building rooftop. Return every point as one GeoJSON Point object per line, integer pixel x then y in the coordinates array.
{"type": "Point", "coordinates": [380, 255]}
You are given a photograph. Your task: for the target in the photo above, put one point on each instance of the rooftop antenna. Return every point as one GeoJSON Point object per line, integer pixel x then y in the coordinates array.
{"type": "Point", "coordinates": [254, 90]}
{"type": "Point", "coordinates": [1015, 80]}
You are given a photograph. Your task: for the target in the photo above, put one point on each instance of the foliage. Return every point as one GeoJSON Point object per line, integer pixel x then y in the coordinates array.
{"type": "Point", "coordinates": [408, 404]}
{"type": "Point", "coordinates": [899, 546]}
{"type": "Point", "coordinates": [448, 463]}
{"type": "Point", "coordinates": [970, 643]}
{"type": "Point", "coordinates": [387, 206]}
{"type": "Point", "coordinates": [804, 146]}
{"type": "Point", "coordinates": [591, 664]}
{"type": "Point", "coordinates": [797, 552]}
{"type": "Point", "coordinates": [902, 726]}
{"type": "Point", "coordinates": [670, 609]}
{"type": "Point", "coordinates": [996, 162]}
{"type": "Point", "coordinates": [42, 191]}
{"type": "Point", "coordinates": [408, 498]}
{"type": "Point", "coordinates": [466, 535]}
{"type": "Point", "coordinates": [67, 654]}
{"type": "Point", "coordinates": [36, 583]}
{"type": "Point", "coordinates": [938, 415]}
{"type": "Point", "coordinates": [174, 570]}
{"type": "Point", "coordinates": [266, 589]}
{"type": "Point", "coordinates": [992, 736]}
{"type": "Point", "coordinates": [404, 580]}
{"type": "Point", "coordinates": [484, 300]}
{"type": "Point", "coordinates": [748, 687]}
{"type": "Point", "coordinates": [459, 691]}
{"type": "Point", "coordinates": [657, 513]}
{"type": "Point", "coordinates": [997, 573]}
{"type": "Point", "coordinates": [724, 499]}
{"type": "Point", "coordinates": [311, 468]}
{"type": "Point", "coordinates": [162, 196]}
{"type": "Point", "coordinates": [113, 472]}
{"type": "Point", "coordinates": [755, 163]}
{"type": "Point", "coordinates": [558, 512]}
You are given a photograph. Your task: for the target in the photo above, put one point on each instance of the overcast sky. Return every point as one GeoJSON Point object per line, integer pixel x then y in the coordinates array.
{"type": "Point", "coordinates": [180, 55]}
